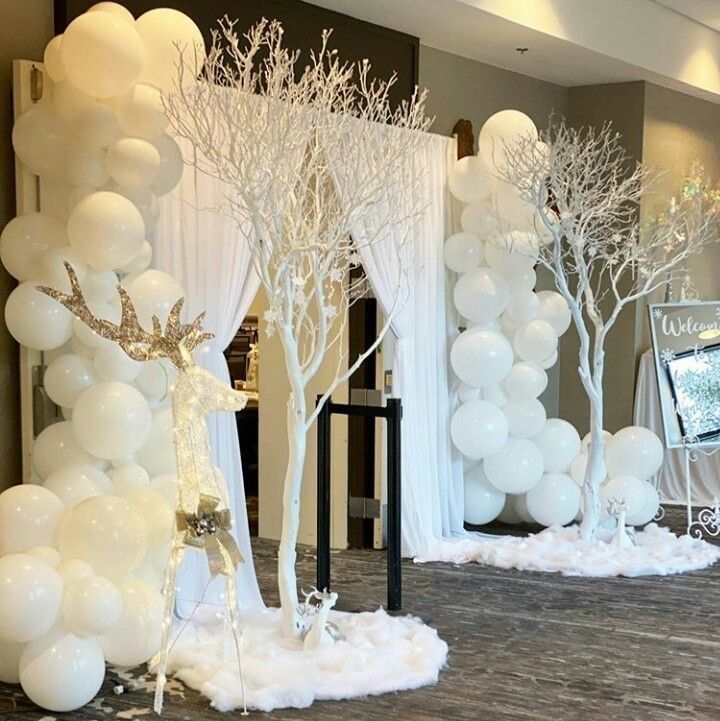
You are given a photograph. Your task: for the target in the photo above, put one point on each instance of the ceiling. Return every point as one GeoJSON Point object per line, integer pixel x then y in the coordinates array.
{"type": "Point", "coordinates": [706, 12]}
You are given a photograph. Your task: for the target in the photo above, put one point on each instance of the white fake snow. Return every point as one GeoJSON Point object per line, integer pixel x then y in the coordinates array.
{"type": "Point", "coordinates": [380, 653]}
{"type": "Point", "coordinates": [658, 552]}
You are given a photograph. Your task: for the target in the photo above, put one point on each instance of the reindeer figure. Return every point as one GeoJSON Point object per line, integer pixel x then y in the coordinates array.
{"type": "Point", "coordinates": [202, 519]}
{"type": "Point", "coordinates": [322, 632]}
{"type": "Point", "coordinates": [624, 536]}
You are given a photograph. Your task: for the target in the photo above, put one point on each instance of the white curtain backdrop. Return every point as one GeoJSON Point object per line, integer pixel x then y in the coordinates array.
{"type": "Point", "coordinates": [432, 480]}
{"type": "Point", "coordinates": [202, 248]}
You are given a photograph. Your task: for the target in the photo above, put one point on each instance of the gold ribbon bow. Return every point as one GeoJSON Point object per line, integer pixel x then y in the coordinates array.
{"type": "Point", "coordinates": [209, 529]}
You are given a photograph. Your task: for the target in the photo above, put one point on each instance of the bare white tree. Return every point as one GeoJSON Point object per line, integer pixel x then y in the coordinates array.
{"type": "Point", "coordinates": [307, 153]}
{"type": "Point", "coordinates": [586, 192]}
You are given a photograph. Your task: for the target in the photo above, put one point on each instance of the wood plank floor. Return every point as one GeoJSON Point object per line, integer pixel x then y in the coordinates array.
{"type": "Point", "coordinates": [523, 646]}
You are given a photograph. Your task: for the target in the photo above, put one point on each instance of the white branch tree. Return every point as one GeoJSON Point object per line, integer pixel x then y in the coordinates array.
{"type": "Point", "coordinates": [306, 153]}
{"type": "Point", "coordinates": [586, 194]}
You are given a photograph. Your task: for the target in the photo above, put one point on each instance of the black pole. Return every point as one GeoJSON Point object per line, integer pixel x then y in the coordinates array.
{"type": "Point", "coordinates": [323, 496]}
{"type": "Point", "coordinates": [394, 474]}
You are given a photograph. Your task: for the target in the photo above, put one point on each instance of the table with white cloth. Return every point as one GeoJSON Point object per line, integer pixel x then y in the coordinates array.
{"type": "Point", "coordinates": [670, 480]}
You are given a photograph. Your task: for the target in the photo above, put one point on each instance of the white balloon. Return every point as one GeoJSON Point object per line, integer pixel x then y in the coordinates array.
{"type": "Point", "coordinates": [112, 363]}
{"type": "Point", "coordinates": [51, 60]}
{"type": "Point", "coordinates": [522, 306]}
{"type": "Point", "coordinates": [107, 532]}
{"type": "Point", "coordinates": [513, 254]}
{"type": "Point", "coordinates": [650, 509]}
{"type": "Point", "coordinates": [171, 164]}
{"type": "Point", "coordinates": [525, 381]}
{"type": "Point", "coordinates": [500, 132]}
{"type": "Point", "coordinates": [631, 491]}
{"type": "Point", "coordinates": [74, 569]}
{"type": "Point", "coordinates": [158, 516]}
{"type": "Point", "coordinates": [145, 200]}
{"type": "Point", "coordinates": [511, 207]}
{"type": "Point", "coordinates": [468, 180]}
{"type": "Point", "coordinates": [24, 240]}
{"type": "Point", "coordinates": [634, 451]}
{"type": "Point", "coordinates": [56, 446]}
{"type": "Point", "coordinates": [481, 294]}
{"type": "Point", "coordinates": [61, 672]}
{"type": "Point", "coordinates": [467, 393]}
{"type": "Point", "coordinates": [100, 285]}
{"type": "Point", "coordinates": [167, 486]}
{"type": "Point", "coordinates": [494, 394]}
{"type": "Point", "coordinates": [478, 429]}
{"type": "Point", "coordinates": [129, 478]}
{"type": "Point", "coordinates": [115, 8]}
{"type": "Point", "coordinates": [10, 662]}
{"type": "Point", "coordinates": [102, 54]}
{"type": "Point", "coordinates": [152, 292]}
{"type": "Point", "coordinates": [555, 500]}
{"type": "Point", "coordinates": [97, 125]}
{"type": "Point", "coordinates": [535, 341]}
{"type": "Point", "coordinates": [481, 357]}
{"type": "Point", "coordinates": [483, 502]}
{"type": "Point", "coordinates": [479, 219]}
{"type": "Point", "coordinates": [39, 138]}
{"type": "Point", "coordinates": [141, 261]}
{"type": "Point", "coordinates": [549, 362]}
{"type": "Point", "coordinates": [106, 229]}
{"type": "Point", "coordinates": [52, 271]}
{"type": "Point", "coordinates": [521, 509]}
{"type": "Point", "coordinates": [169, 37]}
{"type": "Point", "coordinates": [111, 419]}
{"type": "Point", "coordinates": [36, 320]}
{"type": "Point", "coordinates": [66, 378]}
{"type": "Point", "coordinates": [154, 379]}
{"type": "Point", "coordinates": [578, 467]}
{"type": "Point", "coordinates": [29, 516]}
{"type": "Point", "coordinates": [136, 638]}
{"type": "Point", "coordinates": [585, 444]}
{"type": "Point", "coordinates": [463, 252]}
{"type": "Point", "coordinates": [523, 281]}
{"type": "Point", "coordinates": [559, 444]}
{"type": "Point", "coordinates": [141, 113]}
{"type": "Point", "coordinates": [516, 467]}
{"type": "Point", "coordinates": [75, 483]}
{"type": "Point", "coordinates": [86, 164]}
{"type": "Point", "coordinates": [30, 596]}
{"type": "Point", "coordinates": [554, 309]}
{"type": "Point", "coordinates": [68, 102]}
{"type": "Point", "coordinates": [525, 418]}
{"type": "Point", "coordinates": [133, 162]}
{"type": "Point", "coordinates": [91, 606]}
{"type": "Point", "coordinates": [157, 456]}
{"type": "Point", "coordinates": [47, 554]}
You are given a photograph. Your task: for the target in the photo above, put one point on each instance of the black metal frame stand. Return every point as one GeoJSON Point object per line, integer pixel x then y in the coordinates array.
{"type": "Point", "coordinates": [392, 413]}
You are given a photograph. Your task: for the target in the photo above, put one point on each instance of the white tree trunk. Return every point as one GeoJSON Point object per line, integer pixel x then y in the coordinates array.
{"type": "Point", "coordinates": [297, 445]}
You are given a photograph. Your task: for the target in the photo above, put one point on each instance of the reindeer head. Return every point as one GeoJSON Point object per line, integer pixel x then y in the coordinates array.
{"type": "Point", "coordinates": [175, 342]}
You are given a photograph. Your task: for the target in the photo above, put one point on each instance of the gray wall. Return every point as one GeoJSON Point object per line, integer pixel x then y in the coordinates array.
{"type": "Point", "coordinates": [25, 28]}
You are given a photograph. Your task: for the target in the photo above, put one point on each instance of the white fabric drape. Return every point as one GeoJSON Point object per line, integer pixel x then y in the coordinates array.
{"type": "Point", "coordinates": [670, 480]}
{"type": "Point", "coordinates": [202, 249]}
{"type": "Point", "coordinates": [432, 490]}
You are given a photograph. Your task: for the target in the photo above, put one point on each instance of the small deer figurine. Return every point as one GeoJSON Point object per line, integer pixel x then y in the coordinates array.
{"type": "Point", "coordinates": [624, 537]}
{"type": "Point", "coordinates": [322, 632]}
{"type": "Point", "coordinates": [202, 520]}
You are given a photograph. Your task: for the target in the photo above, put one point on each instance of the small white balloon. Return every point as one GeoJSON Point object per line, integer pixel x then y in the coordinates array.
{"type": "Point", "coordinates": [141, 261]}
{"type": "Point", "coordinates": [97, 125]}
{"type": "Point", "coordinates": [152, 292]}
{"type": "Point", "coordinates": [559, 443]}
{"type": "Point", "coordinates": [25, 239]}
{"type": "Point", "coordinates": [467, 393]}
{"type": "Point", "coordinates": [47, 554]}
{"type": "Point", "coordinates": [463, 252]}
{"type": "Point", "coordinates": [56, 446]}
{"type": "Point", "coordinates": [478, 429]}
{"type": "Point", "coordinates": [536, 341]}
{"type": "Point", "coordinates": [634, 451]}
{"type": "Point", "coordinates": [35, 319]}
{"type": "Point", "coordinates": [77, 482]}
{"type": "Point", "coordinates": [554, 501]}
{"type": "Point", "coordinates": [554, 309]}
{"type": "Point", "coordinates": [525, 418]}
{"type": "Point", "coordinates": [629, 490]}
{"type": "Point", "coordinates": [481, 295]}
{"type": "Point", "coordinates": [483, 502]}
{"type": "Point", "coordinates": [171, 164]}
{"type": "Point", "coordinates": [51, 60]}
{"type": "Point", "coordinates": [129, 478]}
{"type": "Point", "coordinates": [525, 381]}
{"type": "Point", "coordinates": [516, 467]}
{"type": "Point", "coordinates": [29, 517]}
{"type": "Point", "coordinates": [133, 162]}
{"type": "Point", "coordinates": [585, 444]}
{"type": "Point", "coordinates": [141, 112]}
{"type": "Point", "coordinates": [513, 254]}
{"type": "Point", "coordinates": [52, 271]}
{"type": "Point", "coordinates": [526, 280]}
{"type": "Point", "coordinates": [68, 102]}
{"type": "Point", "coordinates": [500, 132]}
{"type": "Point", "coordinates": [115, 8]}
{"type": "Point", "coordinates": [157, 456]}
{"type": "Point", "coordinates": [40, 138]}
{"type": "Point", "coordinates": [145, 200]}
{"type": "Point", "coordinates": [167, 486]}
{"type": "Point", "coordinates": [481, 357]}
{"type": "Point", "coordinates": [100, 286]}
{"type": "Point", "coordinates": [91, 606]}
{"type": "Point", "coordinates": [494, 394]}
{"type": "Point", "coordinates": [650, 509]}
{"type": "Point", "coordinates": [522, 306]}
{"type": "Point", "coordinates": [112, 363]}
{"type": "Point", "coordinates": [468, 180]}
{"type": "Point", "coordinates": [86, 164]}
{"type": "Point", "coordinates": [74, 569]}
{"type": "Point", "coordinates": [549, 362]}
{"type": "Point", "coordinates": [479, 219]}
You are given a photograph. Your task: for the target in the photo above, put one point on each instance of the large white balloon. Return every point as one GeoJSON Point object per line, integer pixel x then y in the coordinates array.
{"type": "Point", "coordinates": [56, 446]}
{"type": "Point", "coordinates": [481, 295]}
{"type": "Point", "coordinates": [478, 428]}
{"type": "Point", "coordinates": [559, 444]}
{"type": "Point", "coordinates": [479, 219]}
{"type": "Point", "coordinates": [483, 502]}
{"type": "Point", "coordinates": [39, 138]}
{"type": "Point", "coordinates": [500, 132]}
{"type": "Point", "coordinates": [111, 419]}
{"type": "Point", "coordinates": [516, 467]}
{"type": "Point", "coordinates": [30, 596]}
{"type": "Point", "coordinates": [555, 500]}
{"type": "Point", "coordinates": [469, 181]}
{"type": "Point", "coordinates": [106, 229]}
{"type": "Point", "coordinates": [91, 606]}
{"type": "Point", "coordinates": [463, 252]}
{"type": "Point", "coordinates": [634, 451]}
{"type": "Point", "coordinates": [24, 240]}
{"type": "Point", "coordinates": [115, 8]}
{"type": "Point", "coordinates": [29, 516]}
{"type": "Point", "coordinates": [171, 164]}
{"type": "Point", "coordinates": [133, 162]}
{"type": "Point", "coordinates": [141, 113]}
{"type": "Point", "coordinates": [35, 320]}
{"type": "Point", "coordinates": [107, 532]}
{"type": "Point", "coordinates": [66, 377]}
{"type": "Point", "coordinates": [62, 672]}
{"type": "Point", "coordinates": [102, 54]}
{"type": "Point", "coordinates": [136, 638]}
{"type": "Point", "coordinates": [554, 309]}
{"type": "Point", "coordinates": [77, 482]}
{"type": "Point", "coordinates": [158, 517]}
{"type": "Point", "coordinates": [169, 37]}
{"type": "Point", "coordinates": [535, 341]}
{"type": "Point", "coordinates": [152, 292]}
{"type": "Point", "coordinates": [525, 418]}
{"type": "Point", "coordinates": [157, 456]}
{"type": "Point", "coordinates": [481, 357]}
{"type": "Point", "coordinates": [525, 381]}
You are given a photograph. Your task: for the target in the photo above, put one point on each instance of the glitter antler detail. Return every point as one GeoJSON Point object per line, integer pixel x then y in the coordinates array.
{"type": "Point", "coordinates": [175, 342]}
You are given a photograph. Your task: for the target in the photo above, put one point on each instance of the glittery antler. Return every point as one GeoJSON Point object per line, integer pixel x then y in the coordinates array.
{"type": "Point", "coordinates": [175, 342]}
